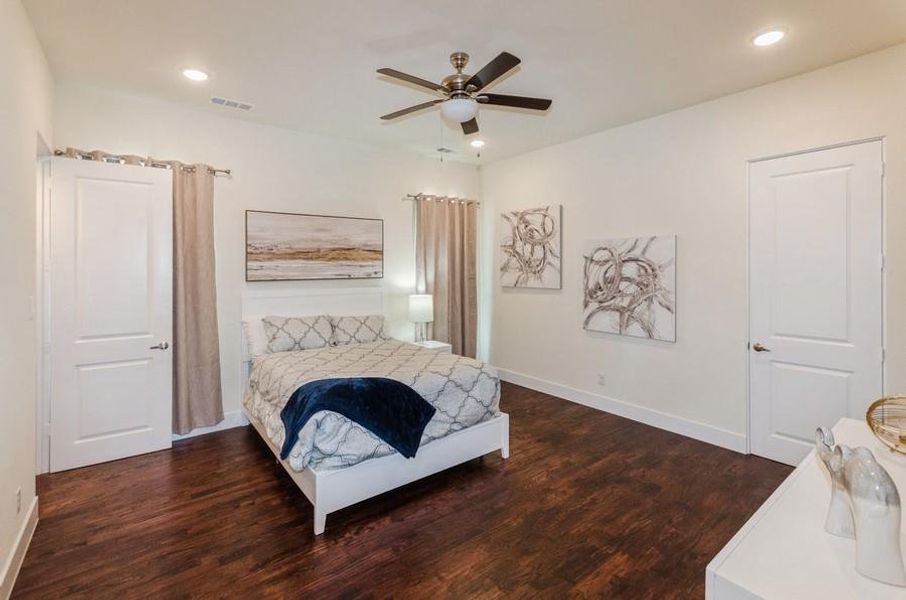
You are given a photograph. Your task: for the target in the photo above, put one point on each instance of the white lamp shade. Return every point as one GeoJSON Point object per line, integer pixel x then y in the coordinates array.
{"type": "Point", "coordinates": [459, 109]}
{"type": "Point", "coordinates": [421, 308]}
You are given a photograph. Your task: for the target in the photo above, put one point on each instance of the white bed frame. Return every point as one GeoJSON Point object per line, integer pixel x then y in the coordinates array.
{"type": "Point", "coordinates": [332, 490]}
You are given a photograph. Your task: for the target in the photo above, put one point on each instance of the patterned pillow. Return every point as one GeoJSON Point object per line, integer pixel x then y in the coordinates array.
{"type": "Point", "coordinates": [297, 333]}
{"type": "Point", "coordinates": [358, 330]}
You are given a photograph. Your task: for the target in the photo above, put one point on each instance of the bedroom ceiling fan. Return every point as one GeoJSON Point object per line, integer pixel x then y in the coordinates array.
{"type": "Point", "coordinates": [462, 92]}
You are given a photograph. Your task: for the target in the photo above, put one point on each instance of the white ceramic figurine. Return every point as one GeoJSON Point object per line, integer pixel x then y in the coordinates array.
{"type": "Point", "coordinates": [876, 515]}
{"type": "Point", "coordinates": [839, 519]}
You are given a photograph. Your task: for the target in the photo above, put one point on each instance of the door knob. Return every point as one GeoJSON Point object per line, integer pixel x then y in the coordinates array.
{"type": "Point", "coordinates": [160, 346]}
{"type": "Point", "coordinates": [758, 347]}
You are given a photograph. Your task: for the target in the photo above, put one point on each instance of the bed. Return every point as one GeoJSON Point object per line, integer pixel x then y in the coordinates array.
{"type": "Point", "coordinates": [336, 462]}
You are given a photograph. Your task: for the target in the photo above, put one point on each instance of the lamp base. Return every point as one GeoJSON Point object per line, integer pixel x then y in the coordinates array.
{"type": "Point", "coordinates": [420, 329]}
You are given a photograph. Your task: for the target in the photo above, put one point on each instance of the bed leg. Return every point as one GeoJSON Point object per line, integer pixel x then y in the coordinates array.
{"type": "Point", "coordinates": [505, 441]}
{"type": "Point", "coordinates": [320, 521]}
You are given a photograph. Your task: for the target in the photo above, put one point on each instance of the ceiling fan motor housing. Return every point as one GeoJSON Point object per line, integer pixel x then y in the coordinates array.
{"type": "Point", "coordinates": [456, 83]}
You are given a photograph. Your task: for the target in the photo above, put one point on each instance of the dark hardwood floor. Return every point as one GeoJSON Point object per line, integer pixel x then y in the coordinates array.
{"type": "Point", "coordinates": [589, 505]}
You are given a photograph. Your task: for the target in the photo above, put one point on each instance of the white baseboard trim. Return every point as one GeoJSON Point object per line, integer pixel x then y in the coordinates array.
{"type": "Point", "coordinates": [235, 418]}
{"type": "Point", "coordinates": [17, 556]}
{"type": "Point", "coordinates": [648, 416]}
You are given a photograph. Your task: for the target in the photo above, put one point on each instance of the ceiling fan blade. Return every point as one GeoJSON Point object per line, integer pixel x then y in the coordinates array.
{"type": "Point", "coordinates": [411, 109]}
{"type": "Point", "coordinates": [493, 70]}
{"type": "Point", "coordinates": [435, 87]}
{"type": "Point", "coordinates": [516, 101]}
{"type": "Point", "coordinates": [470, 127]}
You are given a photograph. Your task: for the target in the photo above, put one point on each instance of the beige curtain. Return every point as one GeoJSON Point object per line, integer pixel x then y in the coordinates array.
{"type": "Point", "coordinates": [445, 263]}
{"type": "Point", "coordinates": [197, 396]}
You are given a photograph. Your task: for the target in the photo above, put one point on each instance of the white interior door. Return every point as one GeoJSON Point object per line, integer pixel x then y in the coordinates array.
{"type": "Point", "coordinates": [111, 311]}
{"type": "Point", "coordinates": [815, 294]}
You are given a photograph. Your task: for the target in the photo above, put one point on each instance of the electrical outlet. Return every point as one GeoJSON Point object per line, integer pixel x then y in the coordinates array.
{"type": "Point", "coordinates": [18, 500]}
{"type": "Point", "coordinates": [601, 379]}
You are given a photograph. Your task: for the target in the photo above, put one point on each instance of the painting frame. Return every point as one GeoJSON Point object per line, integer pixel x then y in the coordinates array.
{"type": "Point", "coordinates": [249, 279]}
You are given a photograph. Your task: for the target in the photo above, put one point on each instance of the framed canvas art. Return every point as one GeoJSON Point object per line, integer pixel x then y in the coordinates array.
{"type": "Point", "coordinates": [630, 287]}
{"type": "Point", "coordinates": [289, 246]}
{"type": "Point", "coordinates": [530, 248]}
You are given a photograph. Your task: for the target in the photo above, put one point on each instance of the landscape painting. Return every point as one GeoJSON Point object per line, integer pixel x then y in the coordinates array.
{"type": "Point", "coordinates": [287, 246]}
{"type": "Point", "coordinates": [630, 287]}
{"type": "Point", "coordinates": [530, 248]}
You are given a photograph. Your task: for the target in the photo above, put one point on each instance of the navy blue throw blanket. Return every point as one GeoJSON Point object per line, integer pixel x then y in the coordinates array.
{"type": "Point", "coordinates": [391, 410]}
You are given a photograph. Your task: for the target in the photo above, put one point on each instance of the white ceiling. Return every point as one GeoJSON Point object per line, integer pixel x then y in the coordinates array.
{"type": "Point", "coordinates": [310, 65]}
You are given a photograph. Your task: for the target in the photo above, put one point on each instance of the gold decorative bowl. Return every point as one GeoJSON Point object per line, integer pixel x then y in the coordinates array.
{"type": "Point", "coordinates": [887, 419]}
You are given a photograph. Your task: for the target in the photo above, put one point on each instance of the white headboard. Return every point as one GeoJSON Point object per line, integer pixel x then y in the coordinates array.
{"type": "Point", "coordinates": [302, 303]}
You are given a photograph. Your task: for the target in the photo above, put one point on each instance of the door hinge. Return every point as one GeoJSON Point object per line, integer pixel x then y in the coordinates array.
{"type": "Point", "coordinates": [883, 354]}
{"type": "Point", "coordinates": [883, 261]}
{"type": "Point", "coordinates": [883, 169]}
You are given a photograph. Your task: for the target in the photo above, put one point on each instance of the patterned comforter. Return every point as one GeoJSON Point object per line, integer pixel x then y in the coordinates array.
{"type": "Point", "coordinates": [463, 390]}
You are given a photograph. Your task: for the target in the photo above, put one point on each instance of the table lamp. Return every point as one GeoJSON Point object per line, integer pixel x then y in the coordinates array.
{"type": "Point", "coordinates": [421, 312]}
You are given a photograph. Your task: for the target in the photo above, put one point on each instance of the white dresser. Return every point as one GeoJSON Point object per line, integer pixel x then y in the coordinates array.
{"type": "Point", "coordinates": [783, 552]}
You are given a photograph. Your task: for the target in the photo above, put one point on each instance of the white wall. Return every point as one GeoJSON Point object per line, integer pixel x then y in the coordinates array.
{"type": "Point", "coordinates": [685, 173]}
{"type": "Point", "coordinates": [25, 111]}
{"type": "Point", "coordinates": [273, 169]}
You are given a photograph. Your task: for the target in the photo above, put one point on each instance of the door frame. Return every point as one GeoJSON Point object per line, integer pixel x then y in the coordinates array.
{"type": "Point", "coordinates": [883, 140]}
{"type": "Point", "coordinates": [41, 304]}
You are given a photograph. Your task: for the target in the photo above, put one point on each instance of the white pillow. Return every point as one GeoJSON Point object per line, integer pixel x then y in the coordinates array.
{"type": "Point", "coordinates": [357, 330]}
{"type": "Point", "coordinates": [255, 338]}
{"type": "Point", "coordinates": [286, 334]}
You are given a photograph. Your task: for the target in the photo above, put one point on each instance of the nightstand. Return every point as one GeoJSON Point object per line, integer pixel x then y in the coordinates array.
{"type": "Point", "coordinates": [432, 345]}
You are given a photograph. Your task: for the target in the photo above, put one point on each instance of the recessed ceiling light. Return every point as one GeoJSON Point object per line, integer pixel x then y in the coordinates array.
{"type": "Point", "coordinates": [769, 37]}
{"type": "Point", "coordinates": [195, 74]}
{"type": "Point", "coordinates": [477, 143]}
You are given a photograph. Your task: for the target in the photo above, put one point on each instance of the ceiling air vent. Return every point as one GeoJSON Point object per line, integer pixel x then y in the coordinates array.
{"type": "Point", "coordinates": [228, 103]}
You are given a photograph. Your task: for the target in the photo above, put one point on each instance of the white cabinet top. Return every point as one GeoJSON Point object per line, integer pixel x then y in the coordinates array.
{"type": "Point", "coordinates": [783, 551]}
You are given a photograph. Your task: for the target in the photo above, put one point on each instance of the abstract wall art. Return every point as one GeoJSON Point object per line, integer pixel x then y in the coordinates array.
{"type": "Point", "coordinates": [630, 287]}
{"type": "Point", "coordinates": [530, 248]}
{"type": "Point", "coordinates": [289, 246]}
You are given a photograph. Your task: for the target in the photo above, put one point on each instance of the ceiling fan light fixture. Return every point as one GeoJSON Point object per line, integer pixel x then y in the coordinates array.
{"type": "Point", "coordinates": [477, 143]}
{"type": "Point", "coordinates": [459, 110]}
{"type": "Point", "coordinates": [459, 103]}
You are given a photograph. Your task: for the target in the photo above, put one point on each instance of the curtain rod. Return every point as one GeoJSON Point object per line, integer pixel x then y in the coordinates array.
{"type": "Point", "coordinates": [434, 198]}
{"type": "Point", "coordinates": [116, 159]}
